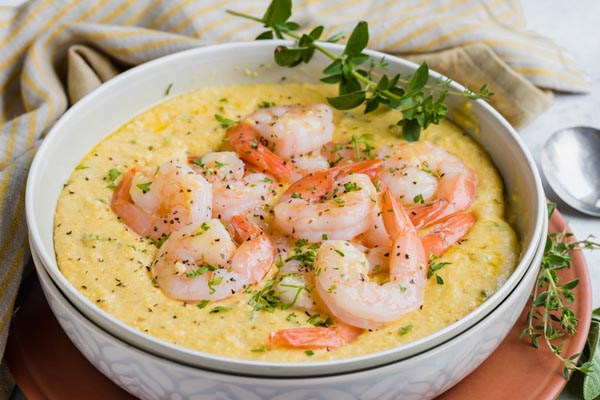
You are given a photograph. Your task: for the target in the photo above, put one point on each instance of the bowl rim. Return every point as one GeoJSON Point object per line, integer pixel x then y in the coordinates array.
{"type": "Point", "coordinates": [48, 284]}
{"type": "Point", "coordinates": [162, 347]}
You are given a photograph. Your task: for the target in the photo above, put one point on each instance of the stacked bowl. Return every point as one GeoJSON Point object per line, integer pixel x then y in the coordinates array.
{"type": "Point", "coordinates": [151, 368]}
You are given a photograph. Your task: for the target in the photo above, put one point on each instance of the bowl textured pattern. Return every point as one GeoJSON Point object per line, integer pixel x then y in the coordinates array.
{"type": "Point", "coordinates": [150, 377]}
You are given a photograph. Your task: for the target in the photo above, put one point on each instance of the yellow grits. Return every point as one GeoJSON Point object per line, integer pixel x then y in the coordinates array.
{"type": "Point", "coordinates": [110, 264]}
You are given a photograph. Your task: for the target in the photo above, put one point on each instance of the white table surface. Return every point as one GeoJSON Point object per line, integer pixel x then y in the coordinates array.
{"type": "Point", "coordinates": [574, 25]}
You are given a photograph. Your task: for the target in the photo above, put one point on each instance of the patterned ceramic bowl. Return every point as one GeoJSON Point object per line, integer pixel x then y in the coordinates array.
{"type": "Point", "coordinates": [422, 376]}
{"type": "Point", "coordinates": [118, 100]}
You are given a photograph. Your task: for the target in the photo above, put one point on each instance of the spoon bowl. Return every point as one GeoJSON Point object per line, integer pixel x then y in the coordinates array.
{"type": "Point", "coordinates": [571, 164]}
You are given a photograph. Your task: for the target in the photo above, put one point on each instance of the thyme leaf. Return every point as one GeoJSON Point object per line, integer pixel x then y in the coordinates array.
{"type": "Point", "coordinates": [421, 102]}
{"type": "Point", "coordinates": [550, 318]}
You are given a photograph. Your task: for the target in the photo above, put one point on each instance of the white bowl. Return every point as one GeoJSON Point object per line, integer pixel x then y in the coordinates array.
{"type": "Point", "coordinates": [422, 376]}
{"type": "Point", "coordinates": [134, 91]}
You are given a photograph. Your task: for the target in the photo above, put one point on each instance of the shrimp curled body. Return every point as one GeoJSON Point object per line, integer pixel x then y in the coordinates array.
{"type": "Point", "coordinates": [421, 172]}
{"type": "Point", "coordinates": [235, 192]}
{"type": "Point", "coordinates": [294, 130]}
{"type": "Point", "coordinates": [157, 201]}
{"type": "Point", "coordinates": [342, 275]}
{"type": "Point", "coordinates": [204, 263]}
{"type": "Point", "coordinates": [331, 203]}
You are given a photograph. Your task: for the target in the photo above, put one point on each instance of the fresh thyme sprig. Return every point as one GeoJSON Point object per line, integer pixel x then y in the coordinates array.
{"type": "Point", "coordinates": [551, 317]}
{"type": "Point", "coordinates": [420, 103]}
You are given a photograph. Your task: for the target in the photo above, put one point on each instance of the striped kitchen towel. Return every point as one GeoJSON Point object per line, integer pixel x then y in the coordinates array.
{"type": "Point", "coordinates": [54, 51]}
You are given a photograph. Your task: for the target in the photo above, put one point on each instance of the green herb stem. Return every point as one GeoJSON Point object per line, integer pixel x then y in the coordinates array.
{"type": "Point", "coordinates": [372, 85]}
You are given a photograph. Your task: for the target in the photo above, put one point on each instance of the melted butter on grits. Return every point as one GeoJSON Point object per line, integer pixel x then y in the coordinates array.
{"type": "Point", "coordinates": [110, 264]}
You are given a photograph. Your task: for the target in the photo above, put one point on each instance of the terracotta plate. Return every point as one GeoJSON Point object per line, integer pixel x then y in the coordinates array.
{"type": "Point", "coordinates": [45, 364]}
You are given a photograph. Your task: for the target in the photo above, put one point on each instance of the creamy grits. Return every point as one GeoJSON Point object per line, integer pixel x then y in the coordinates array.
{"type": "Point", "coordinates": [110, 264]}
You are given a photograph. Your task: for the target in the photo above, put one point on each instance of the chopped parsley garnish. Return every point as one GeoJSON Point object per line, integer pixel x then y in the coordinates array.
{"type": "Point", "coordinates": [168, 90]}
{"type": "Point", "coordinates": [201, 271]}
{"type": "Point", "coordinates": [218, 309]}
{"type": "Point", "coordinates": [301, 242]}
{"type": "Point", "coordinates": [351, 187]}
{"type": "Point", "coordinates": [224, 122]}
{"type": "Point", "coordinates": [324, 237]}
{"type": "Point", "coordinates": [261, 349]}
{"type": "Point", "coordinates": [309, 353]}
{"type": "Point", "coordinates": [290, 316]}
{"type": "Point", "coordinates": [144, 187]}
{"type": "Point", "coordinates": [435, 265]}
{"type": "Point", "coordinates": [266, 104]}
{"type": "Point", "coordinates": [203, 304]}
{"type": "Point", "coordinates": [296, 195]}
{"type": "Point", "coordinates": [303, 253]}
{"type": "Point", "coordinates": [339, 252]}
{"type": "Point", "coordinates": [220, 164]}
{"type": "Point", "coordinates": [316, 321]}
{"type": "Point", "coordinates": [215, 281]}
{"type": "Point", "coordinates": [405, 329]}
{"type": "Point", "coordinates": [205, 226]}
{"type": "Point", "coordinates": [159, 242]}
{"type": "Point", "coordinates": [266, 299]}
{"type": "Point", "coordinates": [419, 199]}
{"type": "Point", "coordinates": [113, 174]}
{"type": "Point", "coordinates": [425, 167]}
{"type": "Point", "coordinates": [367, 147]}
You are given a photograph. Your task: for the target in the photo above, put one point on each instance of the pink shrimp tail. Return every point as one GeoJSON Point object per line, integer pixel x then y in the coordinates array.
{"type": "Point", "coordinates": [244, 139]}
{"type": "Point", "coordinates": [367, 167]}
{"type": "Point", "coordinates": [318, 184]}
{"type": "Point", "coordinates": [447, 233]}
{"type": "Point", "coordinates": [244, 229]}
{"type": "Point", "coordinates": [317, 337]}
{"type": "Point", "coordinates": [461, 192]}
{"type": "Point", "coordinates": [395, 218]}
{"type": "Point", "coordinates": [122, 204]}
{"type": "Point", "coordinates": [259, 250]}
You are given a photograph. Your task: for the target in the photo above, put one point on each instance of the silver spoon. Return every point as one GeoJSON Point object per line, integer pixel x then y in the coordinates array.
{"type": "Point", "coordinates": [571, 163]}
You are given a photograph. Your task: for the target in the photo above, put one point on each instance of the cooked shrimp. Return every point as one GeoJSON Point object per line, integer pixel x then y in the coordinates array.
{"type": "Point", "coordinates": [295, 285]}
{"type": "Point", "coordinates": [247, 196]}
{"type": "Point", "coordinates": [375, 243]}
{"type": "Point", "coordinates": [448, 232]}
{"type": "Point", "coordinates": [234, 192]}
{"type": "Point", "coordinates": [157, 201]}
{"type": "Point", "coordinates": [334, 203]}
{"type": "Point", "coordinates": [219, 166]}
{"type": "Point", "coordinates": [356, 149]}
{"type": "Point", "coordinates": [204, 263]}
{"type": "Point", "coordinates": [422, 172]}
{"type": "Point", "coordinates": [342, 275]}
{"type": "Point", "coordinates": [315, 337]}
{"type": "Point", "coordinates": [376, 235]}
{"type": "Point", "coordinates": [245, 140]}
{"type": "Point", "coordinates": [294, 130]}
{"type": "Point", "coordinates": [304, 164]}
